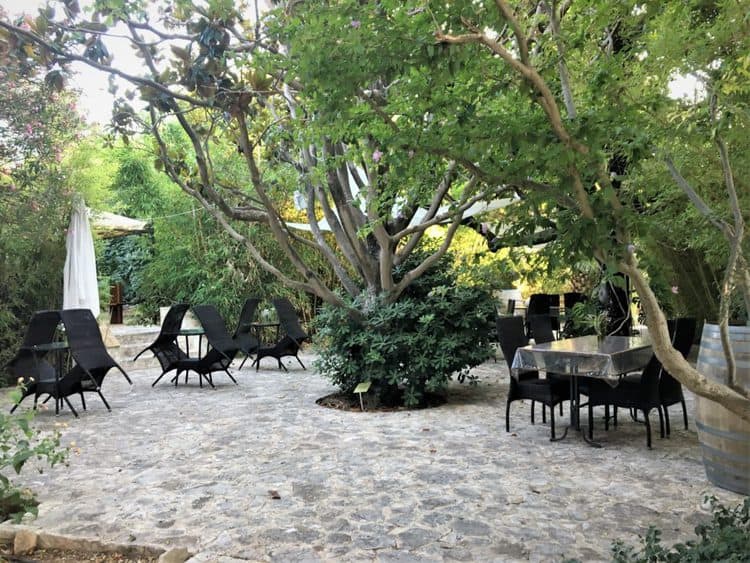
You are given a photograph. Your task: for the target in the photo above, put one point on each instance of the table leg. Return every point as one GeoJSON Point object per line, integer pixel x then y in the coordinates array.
{"type": "Point", "coordinates": [575, 414]}
{"type": "Point", "coordinates": [583, 432]}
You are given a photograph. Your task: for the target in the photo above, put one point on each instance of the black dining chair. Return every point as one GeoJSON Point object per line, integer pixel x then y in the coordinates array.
{"type": "Point", "coordinates": [639, 393]}
{"type": "Point", "coordinates": [528, 384]}
{"type": "Point", "coordinates": [539, 304]}
{"type": "Point", "coordinates": [682, 331]}
{"type": "Point", "coordinates": [541, 328]}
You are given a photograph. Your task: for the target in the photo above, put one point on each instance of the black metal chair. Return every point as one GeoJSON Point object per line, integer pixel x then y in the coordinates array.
{"type": "Point", "coordinates": [670, 390]}
{"type": "Point", "coordinates": [92, 361]}
{"type": "Point", "coordinates": [293, 336]}
{"type": "Point", "coordinates": [32, 367]}
{"type": "Point", "coordinates": [221, 348]}
{"type": "Point", "coordinates": [165, 347]}
{"type": "Point", "coordinates": [243, 336]}
{"type": "Point", "coordinates": [528, 385]}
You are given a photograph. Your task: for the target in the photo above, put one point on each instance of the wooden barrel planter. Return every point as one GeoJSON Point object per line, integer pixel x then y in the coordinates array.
{"type": "Point", "coordinates": [724, 437]}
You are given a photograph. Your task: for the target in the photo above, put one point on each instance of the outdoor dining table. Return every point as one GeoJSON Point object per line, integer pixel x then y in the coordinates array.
{"type": "Point", "coordinates": [260, 328]}
{"type": "Point", "coordinates": [607, 358]}
{"type": "Point", "coordinates": [187, 333]}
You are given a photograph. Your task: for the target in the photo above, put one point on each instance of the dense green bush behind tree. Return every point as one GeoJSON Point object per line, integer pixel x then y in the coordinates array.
{"type": "Point", "coordinates": [36, 124]}
{"type": "Point", "coordinates": [412, 347]}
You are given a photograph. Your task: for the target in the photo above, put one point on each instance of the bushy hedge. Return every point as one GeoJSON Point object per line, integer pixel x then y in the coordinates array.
{"type": "Point", "coordinates": [411, 347]}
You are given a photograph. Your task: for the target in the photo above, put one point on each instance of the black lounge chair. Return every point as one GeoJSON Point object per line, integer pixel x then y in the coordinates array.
{"type": "Point", "coordinates": [243, 336]}
{"type": "Point", "coordinates": [165, 347]}
{"type": "Point", "coordinates": [221, 348]}
{"type": "Point", "coordinates": [30, 366]}
{"type": "Point", "coordinates": [528, 384]}
{"type": "Point", "coordinates": [92, 361]}
{"type": "Point", "coordinates": [290, 342]}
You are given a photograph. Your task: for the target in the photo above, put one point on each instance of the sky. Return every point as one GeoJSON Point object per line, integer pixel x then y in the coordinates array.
{"type": "Point", "coordinates": [95, 103]}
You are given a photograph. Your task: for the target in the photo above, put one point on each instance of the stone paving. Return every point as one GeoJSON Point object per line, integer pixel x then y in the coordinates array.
{"type": "Point", "coordinates": [202, 468]}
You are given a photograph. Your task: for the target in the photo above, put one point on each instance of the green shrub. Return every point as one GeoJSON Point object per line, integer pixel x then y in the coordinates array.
{"type": "Point", "coordinates": [411, 347]}
{"type": "Point", "coordinates": [725, 538]}
{"type": "Point", "coordinates": [20, 442]}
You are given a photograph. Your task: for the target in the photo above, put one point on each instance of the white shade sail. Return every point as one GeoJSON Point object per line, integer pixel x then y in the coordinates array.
{"type": "Point", "coordinates": [111, 225]}
{"type": "Point", "coordinates": [80, 287]}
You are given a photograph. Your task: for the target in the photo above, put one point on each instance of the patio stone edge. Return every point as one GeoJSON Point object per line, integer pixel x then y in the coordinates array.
{"type": "Point", "coordinates": [46, 540]}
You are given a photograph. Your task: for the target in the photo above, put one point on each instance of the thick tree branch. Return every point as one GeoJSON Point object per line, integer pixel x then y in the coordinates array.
{"type": "Point", "coordinates": [521, 40]}
{"type": "Point", "coordinates": [672, 360]}
{"type": "Point", "coordinates": [440, 192]}
{"type": "Point", "coordinates": [562, 67]}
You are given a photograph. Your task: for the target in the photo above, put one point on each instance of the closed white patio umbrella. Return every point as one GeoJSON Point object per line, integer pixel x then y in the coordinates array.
{"type": "Point", "coordinates": [80, 287]}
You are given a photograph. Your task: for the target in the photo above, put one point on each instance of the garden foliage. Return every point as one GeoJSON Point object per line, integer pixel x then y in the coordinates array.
{"type": "Point", "coordinates": [20, 442]}
{"type": "Point", "coordinates": [725, 538]}
{"type": "Point", "coordinates": [412, 347]}
{"type": "Point", "coordinates": [36, 124]}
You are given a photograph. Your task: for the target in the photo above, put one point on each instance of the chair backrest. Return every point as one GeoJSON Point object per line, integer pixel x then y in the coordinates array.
{"type": "Point", "coordinates": [172, 323]}
{"type": "Point", "coordinates": [42, 328]}
{"type": "Point", "coordinates": [539, 304]}
{"type": "Point", "coordinates": [216, 330]}
{"type": "Point", "coordinates": [571, 298]}
{"type": "Point", "coordinates": [244, 324]}
{"type": "Point", "coordinates": [541, 328]}
{"type": "Point", "coordinates": [682, 331]}
{"type": "Point", "coordinates": [650, 379]}
{"type": "Point", "coordinates": [510, 334]}
{"type": "Point", "coordinates": [85, 339]}
{"type": "Point", "coordinates": [289, 320]}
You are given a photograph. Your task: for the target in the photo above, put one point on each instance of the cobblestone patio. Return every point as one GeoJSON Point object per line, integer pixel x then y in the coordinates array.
{"type": "Point", "coordinates": [200, 468]}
